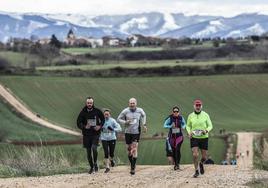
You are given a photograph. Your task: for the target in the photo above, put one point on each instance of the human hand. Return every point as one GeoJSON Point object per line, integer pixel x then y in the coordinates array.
{"type": "Point", "coordinates": [97, 128]}
{"type": "Point", "coordinates": [145, 129]}
{"type": "Point", "coordinates": [128, 122]}
{"type": "Point", "coordinates": [190, 135]}
{"type": "Point", "coordinates": [87, 126]}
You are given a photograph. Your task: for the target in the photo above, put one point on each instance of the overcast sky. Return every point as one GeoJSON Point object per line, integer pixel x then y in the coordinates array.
{"type": "Point", "coordinates": [98, 7]}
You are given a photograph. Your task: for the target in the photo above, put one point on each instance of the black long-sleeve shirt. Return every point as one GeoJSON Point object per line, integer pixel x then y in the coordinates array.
{"type": "Point", "coordinates": [93, 116]}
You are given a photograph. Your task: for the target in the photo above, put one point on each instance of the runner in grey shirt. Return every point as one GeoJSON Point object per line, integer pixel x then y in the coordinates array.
{"type": "Point", "coordinates": [133, 118]}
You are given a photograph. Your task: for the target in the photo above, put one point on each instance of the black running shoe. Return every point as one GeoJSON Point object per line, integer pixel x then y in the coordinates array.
{"type": "Point", "coordinates": [112, 163]}
{"type": "Point", "coordinates": [107, 170]}
{"type": "Point", "coordinates": [96, 168]}
{"type": "Point", "coordinates": [132, 171]}
{"type": "Point", "coordinates": [91, 170]}
{"type": "Point", "coordinates": [196, 174]}
{"type": "Point", "coordinates": [176, 167]}
{"type": "Point", "coordinates": [201, 166]}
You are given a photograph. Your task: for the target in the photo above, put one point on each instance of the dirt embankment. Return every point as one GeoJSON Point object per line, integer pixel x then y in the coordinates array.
{"type": "Point", "coordinates": [22, 109]}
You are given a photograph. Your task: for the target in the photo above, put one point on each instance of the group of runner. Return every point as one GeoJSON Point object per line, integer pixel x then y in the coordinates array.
{"type": "Point", "coordinates": [99, 125]}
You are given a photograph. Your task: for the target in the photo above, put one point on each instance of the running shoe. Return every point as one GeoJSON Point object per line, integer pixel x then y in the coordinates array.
{"type": "Point", "coordinates": [91, 170]}
{"type": "Point", "coordinates": [196, 174]}
{"type": "Point", "coordinates": [112, 163]}
{"type": "Point", "coordinates": [107, 170]}
{"type": "Point", "coordinates": [201, 166]}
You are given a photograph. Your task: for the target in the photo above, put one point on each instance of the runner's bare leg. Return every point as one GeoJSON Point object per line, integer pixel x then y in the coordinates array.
{"type": "Point", "coordinates": [195, 157]}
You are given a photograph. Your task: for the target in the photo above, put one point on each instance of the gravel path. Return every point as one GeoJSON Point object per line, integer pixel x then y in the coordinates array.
{"type": "Point", "coordinates": [245, 149]}
{"type": "Point", "coordinates": [154, 176]}
{"type": "Point", "coordinates": [146, 176]}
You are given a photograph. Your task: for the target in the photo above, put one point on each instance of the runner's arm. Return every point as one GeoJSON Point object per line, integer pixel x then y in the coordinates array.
{"type": "Point", "coordinates": [79, 121]}
{"type": "Point", "coordinates": [167, 123]}
{"type": "Point", "coordinates": [143, 115]}
{"type": "Point", "coordinates": [102, 118]}
{"type": "Point", "coordinates": [209, 124]}
{"type": "Point", "coordinates": [189, 125]}
{"type": "Point", "coordinates": [122, 118]}
{"type": "Point", "coordinates": [116, 126]}
{"type": "Point", "coordinates": [183, 123]}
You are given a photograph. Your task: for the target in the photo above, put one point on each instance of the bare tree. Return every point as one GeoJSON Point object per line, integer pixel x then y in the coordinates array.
{"type": "Point", "coordinates": [261, 50]}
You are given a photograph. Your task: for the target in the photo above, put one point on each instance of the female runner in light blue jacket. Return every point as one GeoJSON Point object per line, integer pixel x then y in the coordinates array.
{"type": "Point", "coordinates": [108, 138]}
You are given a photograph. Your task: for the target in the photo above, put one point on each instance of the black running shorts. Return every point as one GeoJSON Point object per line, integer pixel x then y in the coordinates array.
{"type": "Point", "coordinates": [131, 138]}
{"type": "Point", "coordinates": [201, 143]}
{"type": "Point", "coordinates": [88, 141]}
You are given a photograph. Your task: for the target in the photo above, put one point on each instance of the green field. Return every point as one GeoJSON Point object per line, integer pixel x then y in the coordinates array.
{"type": "Point", "coordinates": [95, 65]}
{"type": "Point", "coordinates": [77, 51]}
{"type": "Point", "coordinates": [13, 127]}
{"type": "Point", "coordinates": [234, 102]}
{"type": "Point", "coordinates": [19, 59]}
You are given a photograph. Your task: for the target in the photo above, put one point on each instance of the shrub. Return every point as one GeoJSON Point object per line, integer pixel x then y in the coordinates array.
{"type": "Point", "coordinates": [4, 64]}
{"type": "Point", "coordinates": [34, 161]}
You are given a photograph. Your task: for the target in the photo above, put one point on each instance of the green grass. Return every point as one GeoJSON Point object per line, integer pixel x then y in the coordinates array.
{"type": "Point", "coordinates": [19, 59]}
{"type": "Point", "coordinates": [76, 51]}
{"type": "Point", "coordinates": [94, 65]}
{"type": "Point", "coordinates": [22, 161]}
{"type": "Point", "coordinates": [234, 102]}
{"type": "Point", "coordinates": [13, 127]}
{"type": "Point", "coordinates": [260, 151]}
{"type": "Point", "coordinates": [79, 51]}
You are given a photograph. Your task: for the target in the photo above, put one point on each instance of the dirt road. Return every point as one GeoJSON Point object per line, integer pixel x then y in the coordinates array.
{"type": "Point", "coordinates": [245, 149]}
{"type": "Point", "coordinates": [146, 176]}
{"type": "Point", "coordinates": [22, 109]}
{"type": "Point", "coordinates": [155, 176]}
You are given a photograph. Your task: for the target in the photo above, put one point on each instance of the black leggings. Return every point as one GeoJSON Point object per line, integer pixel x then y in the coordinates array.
{"type": "Point", "coordinates": [177, 154]}
{"type": "Point", "coordinates": [108, 147]}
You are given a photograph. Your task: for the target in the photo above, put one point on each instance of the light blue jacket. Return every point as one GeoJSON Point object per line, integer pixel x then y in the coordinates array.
{"type": "Point", "coordinates": [107, 134]}
{"type": "Point", "coordinates": [168, 123]}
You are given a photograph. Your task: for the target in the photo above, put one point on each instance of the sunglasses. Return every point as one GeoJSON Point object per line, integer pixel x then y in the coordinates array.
{"type": "Point", "coordinates": [175, 111]}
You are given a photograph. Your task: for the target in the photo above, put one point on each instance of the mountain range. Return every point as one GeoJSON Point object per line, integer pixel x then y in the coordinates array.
{"type": "Point", "coordinates": [159, 24]}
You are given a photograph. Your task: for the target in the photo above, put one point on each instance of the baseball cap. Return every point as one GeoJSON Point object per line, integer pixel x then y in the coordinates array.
{"type": "Point", "coordinates": [197, 101]}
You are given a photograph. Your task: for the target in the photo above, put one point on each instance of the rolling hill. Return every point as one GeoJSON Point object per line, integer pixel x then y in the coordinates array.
{"type": "Point", "coordinates": [234, 102]}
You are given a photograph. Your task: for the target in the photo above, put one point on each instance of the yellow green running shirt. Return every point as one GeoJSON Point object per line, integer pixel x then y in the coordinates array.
{"type": "Point", "coordinates": [197, 122]}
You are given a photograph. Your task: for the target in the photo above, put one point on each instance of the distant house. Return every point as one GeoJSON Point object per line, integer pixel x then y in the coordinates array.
{"type": "Point", "coordinates": [171, 42]}
{"type": "Point", "coordinates": [113, 41]}
{"type": "Point", "coordinates": [44, 41]}
{"type": "Point", "coordinates": [133, 40]}
{"type": "Point", "coordinates": [254, 39]}
{"type": "Point", "coordinates": [95, 43]}
{"type": "Point", "coordinates": [81, 42]}
{"type": "Point", "coordinates": [19, 42]}
{"type": "Point", "coordinates": [73, 41]}
{"type": "Point", "coordinates": [140, 40]}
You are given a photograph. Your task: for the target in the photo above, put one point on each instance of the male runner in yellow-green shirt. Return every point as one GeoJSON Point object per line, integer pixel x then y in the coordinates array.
{"type": "Point", "coordinates": [198, 126]}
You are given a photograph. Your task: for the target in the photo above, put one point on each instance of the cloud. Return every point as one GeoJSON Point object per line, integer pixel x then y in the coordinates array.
{"type": "Point", "coordinates": [97, 7]}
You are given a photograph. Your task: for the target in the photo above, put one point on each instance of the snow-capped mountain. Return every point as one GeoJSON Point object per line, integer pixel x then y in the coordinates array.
{"type": "Point", "coordinates": [149, 24]}
{"type": "Point", "coordinates": [238, 26]}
